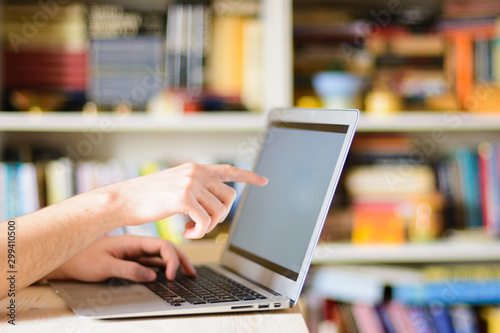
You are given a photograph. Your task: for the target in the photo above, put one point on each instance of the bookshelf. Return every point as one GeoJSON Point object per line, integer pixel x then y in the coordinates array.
{"type": "Point", "coordinates": [221, 134]}
{"type": "Point", "coordinates": [229, 128]}
{"type": "Point", "coordinates": [346, 37]}
{"type": "Point", "coordinates": [411, 253]}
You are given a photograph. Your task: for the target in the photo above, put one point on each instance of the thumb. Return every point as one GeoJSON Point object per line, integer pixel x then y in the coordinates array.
{"type": "Point", "coordinates": [131, 270]}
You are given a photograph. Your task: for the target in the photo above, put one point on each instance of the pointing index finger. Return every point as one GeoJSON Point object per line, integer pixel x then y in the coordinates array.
{"type": "Point", "coordinates": [229, 173]}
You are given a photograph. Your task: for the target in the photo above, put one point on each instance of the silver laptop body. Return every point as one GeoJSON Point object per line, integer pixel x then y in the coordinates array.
{"type": "Point", "coordinates": [275, 227]}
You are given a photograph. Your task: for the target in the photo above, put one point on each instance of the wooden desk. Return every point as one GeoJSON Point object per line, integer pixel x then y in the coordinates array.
{"type": "Point", "coordinates": [40, 309]}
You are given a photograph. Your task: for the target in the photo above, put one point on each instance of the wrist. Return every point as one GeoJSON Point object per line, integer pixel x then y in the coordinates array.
{"type": "Point", "coordinates": [110, 206]}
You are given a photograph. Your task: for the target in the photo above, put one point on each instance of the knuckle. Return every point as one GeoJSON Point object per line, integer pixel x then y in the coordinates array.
{"type": "Point", "coordinates": [191, 169]}
{"type": "Point", "coordinates": [189, 182]}
{"type": "Point", "coordinates": [229, 169]}
{"type": "Point", "coordinates": [131, 271]}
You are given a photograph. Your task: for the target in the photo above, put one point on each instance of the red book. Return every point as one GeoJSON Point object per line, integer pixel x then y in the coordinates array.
{"type": "Point", "coordinates": [484, 165]}
{"type": "Point", "coordinates": [46, 59]}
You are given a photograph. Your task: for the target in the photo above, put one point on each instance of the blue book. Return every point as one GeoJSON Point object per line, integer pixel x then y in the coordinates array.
{"type": "Point", "coordinates": [468, 165]}
{"type": "Point", "coordinates": [420, 320]}
{"type": "Point", "coordinates": [12, 182]}
{"type": "Point", "coordinates": [448, 292]}
{"type": "Point", "coordinates": [386, 319]}
{"type": "Point", "coordinates": [441, 319]}
{"type": "Point", "coordinates": [464, 319]}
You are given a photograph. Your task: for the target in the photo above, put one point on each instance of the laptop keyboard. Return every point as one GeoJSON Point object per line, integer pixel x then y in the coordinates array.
{"type": "Point", "coordinates": [207, 286]}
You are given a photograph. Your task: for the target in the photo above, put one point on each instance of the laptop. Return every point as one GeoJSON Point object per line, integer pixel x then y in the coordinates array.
{"type": "Point", "coordinates": [272, 238]}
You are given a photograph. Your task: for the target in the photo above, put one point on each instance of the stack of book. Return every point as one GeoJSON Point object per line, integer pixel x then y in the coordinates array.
{"type": "Point", "coordinates": [473, 66]}
{"type": "Point", "coordinates": [127, 56]}
{"type": "Point", "coordinates": [409, 64]}
{"type": "Point", "coordinates": [45, 54]}
{"type": "Point", "coordinates": [445, 298]}
{"type": "Point", "coordinates": [393, 192]}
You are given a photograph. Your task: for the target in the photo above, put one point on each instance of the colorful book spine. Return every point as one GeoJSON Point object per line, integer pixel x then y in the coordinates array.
{"type": "Point", "coordinates": [441, 319]}
{"type": "Point", "coordinates": [449, 292]}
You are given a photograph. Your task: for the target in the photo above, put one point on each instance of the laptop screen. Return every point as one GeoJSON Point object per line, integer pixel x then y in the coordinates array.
{"type": "Point", "coordinates": [276, 222]}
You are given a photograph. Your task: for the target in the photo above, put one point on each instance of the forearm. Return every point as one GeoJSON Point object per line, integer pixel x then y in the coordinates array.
{"type": "Point", "coordinates": [46, 239]}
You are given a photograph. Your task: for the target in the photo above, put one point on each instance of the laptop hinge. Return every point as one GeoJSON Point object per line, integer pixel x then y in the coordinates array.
{"type": "Point", "coordinates": [252, 281]}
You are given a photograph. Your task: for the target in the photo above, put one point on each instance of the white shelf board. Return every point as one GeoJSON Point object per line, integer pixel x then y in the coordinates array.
{"type": "Point", "coordinates": [235, 122]}
{"type": "Point", "coordinates": [443, 251]}
{"type": "Point", "coordinates": [136, 122]}
{"type": "Point", "coordinates": [429, 121]}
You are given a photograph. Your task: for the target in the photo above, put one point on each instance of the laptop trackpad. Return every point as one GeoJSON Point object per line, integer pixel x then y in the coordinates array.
{"type": "Point", "coordinates": [109, 298]}
{"type": "Point", "coordinates": [100, 290]}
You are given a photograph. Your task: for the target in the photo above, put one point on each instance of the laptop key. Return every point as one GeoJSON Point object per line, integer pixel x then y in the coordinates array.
{"type": "Point", "coordinates": [198, 302]}
{"type": "Point", "coordinates": [206, 287]}
{"type": "Point", "coordinates": [195, 300]}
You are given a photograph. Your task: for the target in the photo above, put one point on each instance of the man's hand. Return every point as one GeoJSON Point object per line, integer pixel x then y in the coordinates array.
{"type": "Point", "coordinates": [121, 257]}
{"type": "Point", "coordinates": [191, 189]}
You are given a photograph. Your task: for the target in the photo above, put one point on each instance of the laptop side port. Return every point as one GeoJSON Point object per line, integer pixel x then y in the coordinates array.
{"type": "Point", "coordinates": [277, 305]}
{"type": "Point", "coordinates": [263, 306]}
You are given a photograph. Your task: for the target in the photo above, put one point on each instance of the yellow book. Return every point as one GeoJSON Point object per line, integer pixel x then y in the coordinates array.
{"type": "Point", "coordinates": [226, 57]}
{"type": "Point", "coordinates": [462, 272]}
{"type": "Point", "coordinates": [252, 64]}
{"type": "Point", "coordinates": [491, 316]}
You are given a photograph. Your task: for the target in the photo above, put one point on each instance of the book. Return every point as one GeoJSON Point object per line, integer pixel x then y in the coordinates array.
{"type": "Point", "coordinates": [471, 35]}
{"type": "Point", "coordinates": [467, 163]}
{"type": "Point", "coordinates": [127, 52]}
{"type": "Point", "coordinates": [187, 44]}
{"type": "Point", "coordinates": [378, 223]}
{"type": "Point", "coordinates": [225, 60]}
{"type": "Point", "coordinates": [18, 189]}
{"type": "Point", "coordinates": [367, 319]}
{"type": "Point", "coordinates": [491, 315]}
{"type": "Point", "coordinates": [420, 320]}
{"type": "Point", "coordinates": [488, 185]}
{"type": "Point", "coordinates": [406, 44]}
{"type": "Point", "coordinates": [27, 189]}
{"type": "Point", "coordinates": [391, 180]}
{"type": "Point", "coordinates": [385, 318]}
{"type": "Point", "coordinates": [464, 319]}
{"type": "Point", "coordinates": [464, 78]}
{"type": "Point", "coordinates": [45, 53]}
{"type": "Point", "coordinates": [360, 284]}
{"type": "Point", "coordinates": [348, 319]}
{"type": "Point", "coordinates": [449, 292]}
{"type": "Point", "coordinates": [252, 63]}
{"type": "Point", "coordinates": [433, 285]}
{"type": "Point", "coordinates": [59, 180]}
{"type": "Point", "coordinates": [441, 318]}
{"type": "Point", "coordinates": [398, 316]}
